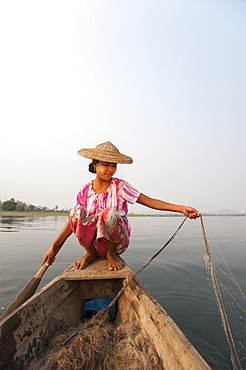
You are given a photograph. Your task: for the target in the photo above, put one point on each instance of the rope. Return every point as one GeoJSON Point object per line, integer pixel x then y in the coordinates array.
{"type": "Point", "coordinates": [214, 279]}
{"type": "Point", "coordinates": [142, 268]}
{"type": "Point", "coordinates": [231, 278]}
{"type": "Point", "coordinates": [102, 313]}
{"type": "Point", "coordinates": [225, 323]}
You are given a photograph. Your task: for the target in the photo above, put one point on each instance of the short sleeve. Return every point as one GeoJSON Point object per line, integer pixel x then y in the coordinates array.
{"type": "Point", "coordinates": [80, 198]}
{"type": "Point", "coordinates": [77, 199]}
{"type": "Point", "coordinates": [129, 193]}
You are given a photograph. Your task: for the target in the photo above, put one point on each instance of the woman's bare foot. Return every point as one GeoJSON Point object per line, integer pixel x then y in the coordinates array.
{"type": "Point", "coordinates": [85, 260]}
{"type": "Point", "coordinates": [114, 262]}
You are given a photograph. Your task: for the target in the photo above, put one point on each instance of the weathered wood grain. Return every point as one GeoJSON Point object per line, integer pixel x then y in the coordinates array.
{"type": "Point", "coordinates": [97, 270]}
{"type": "Point", "coordinates": [171, 344]}
{"type": "Point", "coordinates": [21, 332]}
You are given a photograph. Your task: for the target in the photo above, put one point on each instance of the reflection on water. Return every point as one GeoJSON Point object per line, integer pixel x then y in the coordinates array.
{"type": "Point", "coordinates": [177, 278]}
{"type": "Point", "coordinates": [8, 223]}
{"type": "Point", "coordinates": [15, 223]}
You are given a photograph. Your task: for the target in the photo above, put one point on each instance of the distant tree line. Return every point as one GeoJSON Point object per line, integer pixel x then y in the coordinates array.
{"type": "Point", "coordinates": [19, 206]}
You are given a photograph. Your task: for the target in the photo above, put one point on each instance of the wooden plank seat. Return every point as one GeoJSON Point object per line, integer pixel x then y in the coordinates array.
{"type": "Point", "coordinates": [97, 270]}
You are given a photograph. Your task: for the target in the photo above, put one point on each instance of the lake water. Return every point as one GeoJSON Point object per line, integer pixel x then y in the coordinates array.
{"type": "Point", "coordinates": [177, 278]}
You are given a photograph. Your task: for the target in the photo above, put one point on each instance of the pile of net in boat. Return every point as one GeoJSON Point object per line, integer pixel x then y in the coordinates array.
{"type": "Point", "coordinates": [98, 344]}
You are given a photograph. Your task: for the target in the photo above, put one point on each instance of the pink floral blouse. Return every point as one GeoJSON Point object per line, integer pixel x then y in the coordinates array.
{"type": "Point", "coordinates": [118, 194]}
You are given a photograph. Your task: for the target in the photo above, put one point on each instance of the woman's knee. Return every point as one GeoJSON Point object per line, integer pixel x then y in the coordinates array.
{"type": "Point", "coordinates": [110, 214]}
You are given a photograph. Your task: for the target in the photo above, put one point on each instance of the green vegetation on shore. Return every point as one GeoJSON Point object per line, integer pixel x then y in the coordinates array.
{"type": "Point", "coordinates": [13, 206]}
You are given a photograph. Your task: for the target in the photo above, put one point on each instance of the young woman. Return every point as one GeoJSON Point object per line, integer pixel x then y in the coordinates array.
{"type": "Point", "coordinates": [99, 216]}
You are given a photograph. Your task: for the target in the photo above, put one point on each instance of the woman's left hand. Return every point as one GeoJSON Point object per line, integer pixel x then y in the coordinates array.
{"type": "Point", "coordinates": [191, 212]}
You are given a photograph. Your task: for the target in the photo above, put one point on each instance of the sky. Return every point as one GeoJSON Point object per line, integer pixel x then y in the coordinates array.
{"type": "Point", "coordinates": [164, 81]}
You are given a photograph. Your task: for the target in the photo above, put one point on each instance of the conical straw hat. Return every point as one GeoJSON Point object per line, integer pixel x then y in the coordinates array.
{"type": "Point", "coordinates": [106, 152]}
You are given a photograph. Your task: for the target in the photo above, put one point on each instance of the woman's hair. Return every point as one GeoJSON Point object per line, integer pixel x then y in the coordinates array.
{"type": "Point", "coordinates": [92, 165]}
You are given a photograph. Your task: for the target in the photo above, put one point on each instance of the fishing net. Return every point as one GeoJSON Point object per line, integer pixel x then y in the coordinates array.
{"type": "Point", "coordinates": [96, 344]}
{"type": "Point", "coordinates": [230, 300]}
{"type": "Point", "coordinates": [220, 292]}
{"type": "Point", "coordinates": [99, 344]}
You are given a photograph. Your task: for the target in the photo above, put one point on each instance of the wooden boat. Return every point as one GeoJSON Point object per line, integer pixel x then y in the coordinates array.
{"type": "Point", "coordinates": [64, 299]}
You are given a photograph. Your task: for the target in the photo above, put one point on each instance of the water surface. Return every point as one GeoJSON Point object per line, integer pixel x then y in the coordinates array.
{"type": "Point", "coordinates": [177, 278]}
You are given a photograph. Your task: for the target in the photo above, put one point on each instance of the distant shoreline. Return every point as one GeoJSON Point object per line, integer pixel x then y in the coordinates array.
{"type": "Point", "coordinates": [62, 213]}
{"type": "Point", "coordinates": [34, 213]}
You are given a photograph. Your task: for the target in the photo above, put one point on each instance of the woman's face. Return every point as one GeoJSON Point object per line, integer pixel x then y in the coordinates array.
{"type": "Point", "coordinates": [105, 170]}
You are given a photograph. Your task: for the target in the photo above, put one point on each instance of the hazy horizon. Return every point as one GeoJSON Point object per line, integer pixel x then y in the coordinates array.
{"type": "Point", "coordinates": [142, 210]}
{"type": "Point", "coordinates": [163, 81]}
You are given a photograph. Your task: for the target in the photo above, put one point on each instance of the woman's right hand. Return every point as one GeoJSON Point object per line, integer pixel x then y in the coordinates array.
{"type": "Point", "coordinates": [48, 258]}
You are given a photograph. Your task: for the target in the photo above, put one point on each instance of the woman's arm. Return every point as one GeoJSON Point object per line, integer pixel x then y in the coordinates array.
{"type": "Point", "coordinates": [164, 206]}
{"type": "Point", "coordinates": [49, 257]}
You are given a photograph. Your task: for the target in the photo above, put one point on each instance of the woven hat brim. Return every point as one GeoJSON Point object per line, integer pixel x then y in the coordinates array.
{"type": "Point", "coordinates": [106, 156]}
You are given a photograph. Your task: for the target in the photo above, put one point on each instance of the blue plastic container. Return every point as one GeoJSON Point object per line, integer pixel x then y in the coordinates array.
{"type": "Point", "coordinates": [95, 305]}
